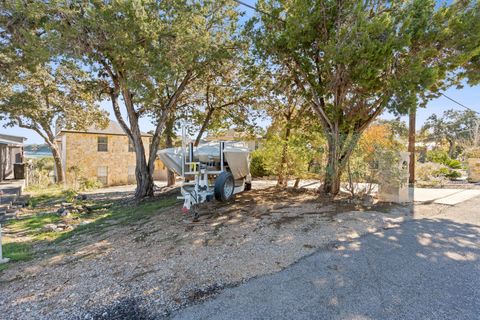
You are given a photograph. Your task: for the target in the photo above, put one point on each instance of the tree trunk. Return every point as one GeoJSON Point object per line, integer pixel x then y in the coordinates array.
{"type": "Point", "coordinates": [340, 147]}
{"type": "Point", "coordinates": [169, 144]}
{"type": "Point", "coordinates": [333, 171]}
{"type": "Point", "coordinates": [143, 171]}
{"type": "Point", "coordinates": [282, 180]}
{"type": "Point", "coordinates": [145, 185]}
{"type": "Point", "coordinates": [204, 126]}
{"type": "Point", "coordinates": [297, 183]}
{"type": "Point", "coordinates": [411, 144]}
{"type": "Point", "coordinates": [451, 147]}
{"type": "Point", "coordinates": [58, 163]}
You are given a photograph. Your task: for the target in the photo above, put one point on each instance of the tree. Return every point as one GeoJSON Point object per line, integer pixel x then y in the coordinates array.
{"type": "Point", "coordinates": [397, 129]}
{"type": "Point", "coordinates": [378, 139]}
{"type": "Point", "coordinates": [466, 40]}
{"type": "Point", "coordinates": [287, 109]}
{"type": "Point", "coordinates": [453, 126]}
{"type": "Point", "coordinates": [354, 59]}
{"type": "Point", "coordinates": [289, 149]}
{"type": "Point", "coordinates": [224, 97]}
{"type": "Point", "coordinates": [46, 99]}
{"type": "Point", "coordinates": [147, 53]}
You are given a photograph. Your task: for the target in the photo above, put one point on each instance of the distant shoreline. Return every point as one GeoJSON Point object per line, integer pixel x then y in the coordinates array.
{"type": "Point", "coordinates": [37, 155]}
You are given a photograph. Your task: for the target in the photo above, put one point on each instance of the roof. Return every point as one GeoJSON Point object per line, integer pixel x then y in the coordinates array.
{"type": "Point", "coordinates": [112, 128]}
{"type": "Point", "coordinates": [9, 139]}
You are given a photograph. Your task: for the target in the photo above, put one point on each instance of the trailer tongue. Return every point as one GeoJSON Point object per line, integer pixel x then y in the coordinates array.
{"type": "Point", "coordinates": [212, 170]}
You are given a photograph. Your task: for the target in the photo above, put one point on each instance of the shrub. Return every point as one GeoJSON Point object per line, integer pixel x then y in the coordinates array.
{"type": "Point", "coordinates": [440, 156]}
{"type": "Point", "coordinates": [430, 174]}
{"type": "Point", "coordinates": [453, 174]}
{"type": "Point", "coordinates": [70, 195]}
{"type": "Point", "coordinates": [437, 156]}
{"type": "Point", "coordinates": [454, 164]}
{"type": "Point", "coordinates": [90, 184]}
{"type": "Point", "coordinates": [258, 167]}
{"type": "Point", "coordinates": [443, 171]}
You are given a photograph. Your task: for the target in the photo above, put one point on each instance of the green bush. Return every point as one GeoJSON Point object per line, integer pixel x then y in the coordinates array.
{"type": "Point", "coordinates": [440, 156]}
{"type": "Point", "coordinates": [70, 195]}
{"type": "Point", "coordinates": [437, 156]}
{"type": "Point", "coordinates": [258, 166]}
{"type": "Point", "coordinates": [453, 174]}
{"type": "Point", "coordinates": [90, 184]}
{"type": "Point", "coordinates": [454, 164]}
{"type": "Point", "coordinates": [442, 171]}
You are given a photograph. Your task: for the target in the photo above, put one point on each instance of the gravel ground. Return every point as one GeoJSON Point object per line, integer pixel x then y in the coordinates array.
{"type": "Point", "coordinates": [427, 268]}
{"type": "Point", "coordinates": [148, 269]}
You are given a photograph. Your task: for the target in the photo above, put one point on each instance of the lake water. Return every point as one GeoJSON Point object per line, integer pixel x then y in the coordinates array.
{"type": "Point", "coordinates": [37, 155]}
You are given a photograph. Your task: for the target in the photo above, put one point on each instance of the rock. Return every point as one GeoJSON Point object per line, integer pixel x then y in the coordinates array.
{"type": "Point", "coordinates": [368, 201]}
{"type": "Point", "coordinates": [50, 227]}
{"type": "Point", "coordinates": [63, 226]}
{"type": "Point", "coordinates": [65, 213]}
{"type": "Point", "coordinates": [12, 209]}
{"type": "Point", "coordinates": [82, 197]}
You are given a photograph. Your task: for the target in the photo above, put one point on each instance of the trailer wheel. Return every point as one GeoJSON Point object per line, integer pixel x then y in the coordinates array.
{"type": "Point", "coordinates": [224, 186]}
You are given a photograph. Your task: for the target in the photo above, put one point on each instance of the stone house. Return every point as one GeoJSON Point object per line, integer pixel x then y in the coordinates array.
{"type": "Point", "coordinates": [11, 153]}
{"type": "Point", "coordinates": [105, 154]}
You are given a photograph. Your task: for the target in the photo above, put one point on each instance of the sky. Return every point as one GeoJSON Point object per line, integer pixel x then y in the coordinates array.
{"type": "Point", "coordinates": [468, 96]}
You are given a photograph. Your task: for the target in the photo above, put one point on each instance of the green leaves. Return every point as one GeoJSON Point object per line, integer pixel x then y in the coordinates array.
{"type": "Point", "coordinates": [50, 96]}
{"type": "Point", "coordinates": [360, 57]}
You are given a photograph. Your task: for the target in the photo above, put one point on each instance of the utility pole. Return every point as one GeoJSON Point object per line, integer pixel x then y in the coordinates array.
{"type": "Point", "coordinates": [411, 143]}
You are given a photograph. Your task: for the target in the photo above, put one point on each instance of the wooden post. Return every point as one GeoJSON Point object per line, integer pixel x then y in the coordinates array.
{"type": "Point", "coordinates": [411, 144]}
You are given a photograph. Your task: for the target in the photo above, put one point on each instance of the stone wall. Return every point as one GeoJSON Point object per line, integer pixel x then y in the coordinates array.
{"type": "Point", "coordinates": [82, 153]}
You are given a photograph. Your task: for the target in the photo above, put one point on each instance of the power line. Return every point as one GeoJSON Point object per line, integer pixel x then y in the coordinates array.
{"type": "Point", "coordinates": [279, 19]}
{"type": "Point", "coordinates": [258, 10]}
{"type": "Point", "coordinates": [462, 105]}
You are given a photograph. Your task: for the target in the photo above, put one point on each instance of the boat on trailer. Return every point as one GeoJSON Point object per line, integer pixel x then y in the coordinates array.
{"type": "Point", "coordinates": [214, 170]}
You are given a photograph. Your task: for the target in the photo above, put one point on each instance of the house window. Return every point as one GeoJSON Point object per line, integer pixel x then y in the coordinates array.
{"type": "Point", "coordinates": [131, 148]}
{"type": "Point", "coordinates": [102, 174]}
{"type": "Point", "coordinates": [102, 144]}
{"type": "Point", "coordinates": [131, 175]}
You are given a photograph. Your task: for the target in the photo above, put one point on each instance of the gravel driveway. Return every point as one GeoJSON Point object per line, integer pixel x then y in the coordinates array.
{"type": "Point", "coordinates": [424, 269]}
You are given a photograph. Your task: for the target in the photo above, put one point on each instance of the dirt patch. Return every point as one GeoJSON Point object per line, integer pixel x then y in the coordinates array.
{"type": "Point", "coordinates": [153, 266]}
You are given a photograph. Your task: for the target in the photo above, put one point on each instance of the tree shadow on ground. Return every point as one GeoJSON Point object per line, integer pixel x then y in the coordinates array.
{"type": "Point", "coordinates": [422, 269]}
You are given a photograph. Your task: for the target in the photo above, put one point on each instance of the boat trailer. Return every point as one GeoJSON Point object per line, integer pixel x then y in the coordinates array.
{"type": "Point", "coordinates": [214, 170]}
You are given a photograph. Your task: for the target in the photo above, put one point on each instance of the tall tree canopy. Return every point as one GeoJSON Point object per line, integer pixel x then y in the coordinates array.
{"type": "Point", "coordinates": [454, 126]}
{"type": "Point", "coordinates": [354, 59]}
{"type": "Point", "coordinates": [147, 53]}
{"type": "Point", "coordinates": [46, 99]}
{"type": "Point", "coordinates": [40, 90]}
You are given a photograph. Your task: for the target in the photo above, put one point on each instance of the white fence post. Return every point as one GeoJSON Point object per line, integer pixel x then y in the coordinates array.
{"type": "Point", "coordinates": [2, 259]}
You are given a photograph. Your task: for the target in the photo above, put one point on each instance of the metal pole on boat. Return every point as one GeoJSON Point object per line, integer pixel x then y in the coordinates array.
{"type": "Point", "coordinates": [190, 152]}
{"type": "Point", "coordinates": [222, 146]}
{"type": "Point", "coordinates": [184, 137]}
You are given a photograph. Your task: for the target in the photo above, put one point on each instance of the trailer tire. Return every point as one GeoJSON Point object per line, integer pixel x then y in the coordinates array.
{"type": "Point", "coordinates": [224, 186]}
